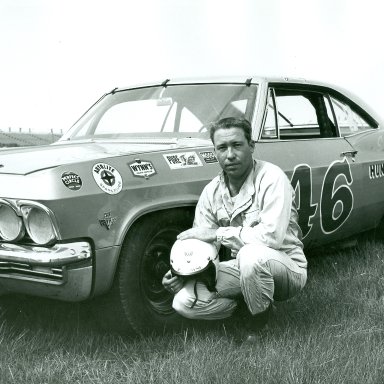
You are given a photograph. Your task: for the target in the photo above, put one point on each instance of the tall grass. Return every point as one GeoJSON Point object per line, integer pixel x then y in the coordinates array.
{"type": "Point", "coordinates": [330, 333]}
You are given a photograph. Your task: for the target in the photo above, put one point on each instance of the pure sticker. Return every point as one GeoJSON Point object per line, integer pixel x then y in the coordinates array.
{"type": "Point", "coordinates": [107, 178]}
{"type": "Point", "coordinates": [71, 180]}
{"type": "Point", "coordinates": [183, 160]}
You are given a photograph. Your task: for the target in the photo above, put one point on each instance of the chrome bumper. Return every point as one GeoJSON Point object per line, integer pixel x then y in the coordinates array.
{"type": "Point", "coordinates": [57, 255]}
{"type": "Point", "coordinates": [63, 271]}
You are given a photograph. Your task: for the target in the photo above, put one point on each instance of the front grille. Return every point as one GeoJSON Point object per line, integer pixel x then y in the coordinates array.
{"type": "Point", "coordinates": [25, 271]}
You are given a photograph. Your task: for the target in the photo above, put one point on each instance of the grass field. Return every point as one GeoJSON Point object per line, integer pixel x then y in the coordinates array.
{"type": "Point", "coordinates": [331, 333]}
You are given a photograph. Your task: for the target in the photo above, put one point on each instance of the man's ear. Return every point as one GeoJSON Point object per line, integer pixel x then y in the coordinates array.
{"type": "Point", "coordinates": [252, 145]}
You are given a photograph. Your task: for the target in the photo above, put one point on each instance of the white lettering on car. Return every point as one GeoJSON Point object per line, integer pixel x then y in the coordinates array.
{"type": "Point", "coordinates": [376, 171]}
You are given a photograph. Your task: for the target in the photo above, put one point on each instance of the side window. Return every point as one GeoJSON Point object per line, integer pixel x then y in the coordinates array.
{"type": "Point", "coordinates": [300, 114]}
{"type": "Point", "coordinates": [296, 117]}
{"type": "Point", "coordinates": [349, 121]}
{"type": "Point", "coordinates": [270, 128]}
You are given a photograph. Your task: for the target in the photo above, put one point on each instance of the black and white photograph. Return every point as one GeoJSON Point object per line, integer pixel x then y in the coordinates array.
{"type": "Point", "coordinates": [191, 191]}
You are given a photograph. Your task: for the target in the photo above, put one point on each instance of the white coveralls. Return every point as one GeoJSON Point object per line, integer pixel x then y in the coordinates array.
{"type": "Point", "coordinates": [260, 227]}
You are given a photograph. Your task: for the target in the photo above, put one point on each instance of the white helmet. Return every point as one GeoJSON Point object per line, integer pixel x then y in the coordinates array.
{"type": "Point", "coordinates": [191, 256]}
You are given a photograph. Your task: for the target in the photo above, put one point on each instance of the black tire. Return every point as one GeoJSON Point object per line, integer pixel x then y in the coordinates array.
{"type": "Point", "coordinates": [138, 301]}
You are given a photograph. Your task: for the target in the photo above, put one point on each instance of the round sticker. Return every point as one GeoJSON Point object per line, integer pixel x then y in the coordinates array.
{"type": "Point", "coordinates": [71, 180]}
{"type": "Point", "coordinates": [107, 178]}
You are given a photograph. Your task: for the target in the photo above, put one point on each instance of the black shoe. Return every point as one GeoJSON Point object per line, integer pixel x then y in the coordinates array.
{"type": "Point", "coordinates": [257, 322]}
{"type": "Point", "coordinates": [254, 324]}
{"type": "Point", "coordinates": [249, 326]}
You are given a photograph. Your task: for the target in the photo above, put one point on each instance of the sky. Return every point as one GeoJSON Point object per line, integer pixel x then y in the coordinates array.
{"type": "Point", "coordinates": [57, 57]}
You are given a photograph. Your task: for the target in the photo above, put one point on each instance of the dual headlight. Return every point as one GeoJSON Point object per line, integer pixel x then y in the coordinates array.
{"type": "Point", "coordinates": [26, 217]}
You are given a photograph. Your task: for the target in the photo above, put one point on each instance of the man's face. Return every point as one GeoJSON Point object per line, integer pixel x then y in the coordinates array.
{"type": "Point", "coordinates": [233, 152]}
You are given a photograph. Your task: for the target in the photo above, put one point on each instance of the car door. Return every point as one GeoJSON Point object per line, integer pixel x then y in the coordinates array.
{"type": "Point", "coordinates": [300, 135]}
{"type": "Point", "coordinates": [362, 131]}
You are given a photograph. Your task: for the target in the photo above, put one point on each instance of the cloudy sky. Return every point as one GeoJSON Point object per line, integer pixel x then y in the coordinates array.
{"type": "Point", "coordinates": [59, 56]}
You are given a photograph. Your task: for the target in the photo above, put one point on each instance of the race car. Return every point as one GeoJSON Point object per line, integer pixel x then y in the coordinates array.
{"type": "Point", "coordinates": [95, 214]}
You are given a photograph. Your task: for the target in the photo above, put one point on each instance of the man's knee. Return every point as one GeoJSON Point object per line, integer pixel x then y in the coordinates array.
{"type": "Point", "coordinates": [253, 256]}
{"type": "Point", "coordinates": [207, 307]}
{"type": "Point", "coordinates": [183, 303]}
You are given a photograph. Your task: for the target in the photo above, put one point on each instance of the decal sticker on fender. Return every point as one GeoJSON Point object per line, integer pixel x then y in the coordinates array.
{"type": "Point", "coordinates": [183, 160]}
{"type": "Point", "coordinates": [209, 157]}
{"type": "Point", "coordinates": [107, 178]}
{"type": "Point", "coordinates": [142, 168]}
{"type": "Point", "coordinates": [71, 180]}
{"type": "Point", "coordinates": [108, 220]}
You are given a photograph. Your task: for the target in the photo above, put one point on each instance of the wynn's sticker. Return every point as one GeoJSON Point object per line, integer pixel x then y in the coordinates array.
{"type": "Point", "coordinates": [107, 178]}
{"type": "Point", "coordinates": [209, 157]}
{"type": "Point", "coordinates": [71, 180]}
{"type": "Point", "coordinates": [142, 168]}
{"type": "Point", "coordinates": [183, 160]}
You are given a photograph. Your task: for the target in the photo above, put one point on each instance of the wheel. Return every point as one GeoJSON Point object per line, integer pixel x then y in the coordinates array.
{"type": "Point", "coordinates": [137, 300]}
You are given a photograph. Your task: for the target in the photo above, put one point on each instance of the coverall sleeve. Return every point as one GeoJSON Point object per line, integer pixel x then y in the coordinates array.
{"type": "Point", "coordinates": [204, 213]}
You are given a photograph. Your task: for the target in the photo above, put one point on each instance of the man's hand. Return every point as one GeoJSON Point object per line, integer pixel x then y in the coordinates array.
{"type": "Point", "coordinates": [172, 284]}
{"type": "Point", "coordinates": [200, 233]}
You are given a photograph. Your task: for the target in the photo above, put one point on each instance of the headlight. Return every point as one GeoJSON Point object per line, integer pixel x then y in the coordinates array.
{"type": "Point", "coordinates": [11, 225]}
{"type": "Point", "coordinates": [38, 224]}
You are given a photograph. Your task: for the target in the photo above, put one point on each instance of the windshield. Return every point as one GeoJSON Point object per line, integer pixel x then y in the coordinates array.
{"type": "Point", "coordinates": [172, 110]}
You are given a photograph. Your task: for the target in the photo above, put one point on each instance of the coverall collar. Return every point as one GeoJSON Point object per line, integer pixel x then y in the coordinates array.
{"type": "Point", "coordinates": [244, 197]}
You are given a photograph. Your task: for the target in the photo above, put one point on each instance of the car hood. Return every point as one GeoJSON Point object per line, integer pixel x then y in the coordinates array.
{"type": "Point", "coordinates": [26, 160]}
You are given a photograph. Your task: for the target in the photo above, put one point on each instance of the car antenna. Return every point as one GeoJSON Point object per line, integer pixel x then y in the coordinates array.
{"type": "Point", "coordinates": [113, 91]}
{"type": "Point", "coordinates": [248, 82]}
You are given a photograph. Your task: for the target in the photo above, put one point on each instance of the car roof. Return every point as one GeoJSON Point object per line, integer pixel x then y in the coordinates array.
{"type": "Point", "coordinates": [239, 80]}
{"type": "Point", "coordinates": [249, 79]}
{"type": "Point", "coordinates": [216, 79]}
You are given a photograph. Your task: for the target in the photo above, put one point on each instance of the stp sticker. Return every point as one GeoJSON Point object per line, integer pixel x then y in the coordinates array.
{"type": "Point", "coordinates": [142, 168]}
{"type": "Point", "coordinates": [107, 178]}
{"type": "Point", "coordinates": [71, 180]}
{"type": "Point", "coordinates": [183, 160]}
{"type": "Point", "coordinates": [209, 157]}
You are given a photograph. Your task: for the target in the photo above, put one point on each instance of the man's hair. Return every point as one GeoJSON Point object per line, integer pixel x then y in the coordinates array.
{"type": "Point", "coordinates": [232, 122]}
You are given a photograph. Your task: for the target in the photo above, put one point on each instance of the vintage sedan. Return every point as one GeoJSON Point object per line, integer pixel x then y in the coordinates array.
{"type": "Point", "coordinates": [95, 214]}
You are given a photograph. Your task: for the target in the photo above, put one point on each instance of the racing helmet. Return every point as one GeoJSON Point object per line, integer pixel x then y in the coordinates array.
{"type": "Point", "coordinates": [193, 258]}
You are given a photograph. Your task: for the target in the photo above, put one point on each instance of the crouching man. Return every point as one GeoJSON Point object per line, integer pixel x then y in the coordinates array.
{"type": "Point", "coordinates": [249, 208]}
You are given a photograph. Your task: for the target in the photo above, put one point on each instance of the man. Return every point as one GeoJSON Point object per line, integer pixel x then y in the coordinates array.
{"type": "Point", "coordinates": [249, 208]}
